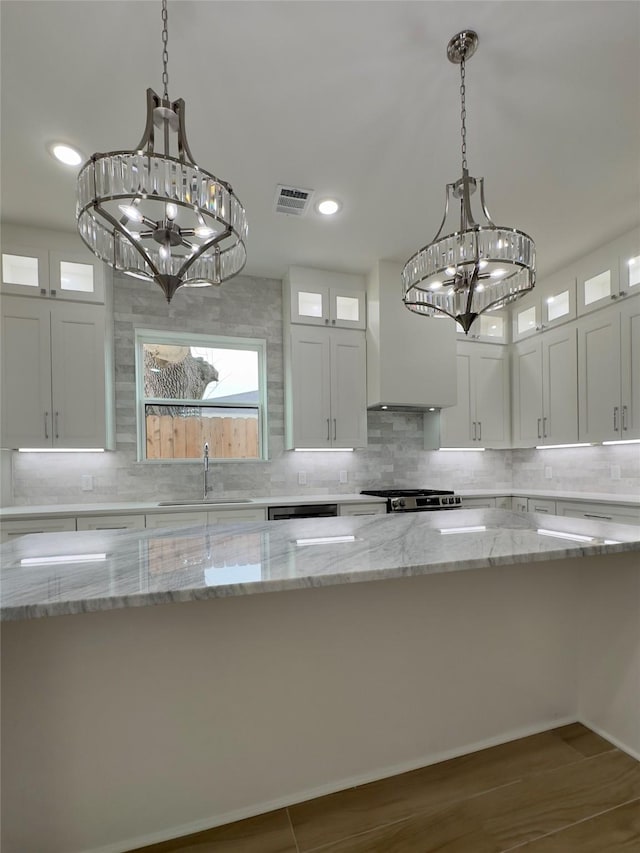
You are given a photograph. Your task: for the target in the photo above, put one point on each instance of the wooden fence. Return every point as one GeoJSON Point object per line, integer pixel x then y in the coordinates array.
{"type": "Point", "coordinates": [171, 437]}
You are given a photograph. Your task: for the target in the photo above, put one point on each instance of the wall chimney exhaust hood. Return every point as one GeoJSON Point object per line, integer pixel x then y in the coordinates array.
{"type": "Point", "coordinates": [411, 360]}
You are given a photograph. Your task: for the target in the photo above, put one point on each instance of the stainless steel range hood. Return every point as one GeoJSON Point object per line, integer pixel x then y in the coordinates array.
{"type": "Point", "coordinates": [411, 360]}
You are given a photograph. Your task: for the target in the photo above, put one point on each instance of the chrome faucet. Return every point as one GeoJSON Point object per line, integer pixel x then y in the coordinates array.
{"type": "Point", "coordinates": [205, 485]}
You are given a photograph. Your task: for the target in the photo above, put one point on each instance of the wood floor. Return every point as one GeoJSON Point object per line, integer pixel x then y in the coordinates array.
{"type": "Point", "coordinates": [562, 791]}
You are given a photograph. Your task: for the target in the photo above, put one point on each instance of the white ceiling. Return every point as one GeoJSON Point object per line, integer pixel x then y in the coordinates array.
{"type": "Point", "coordinates": [351, 98]}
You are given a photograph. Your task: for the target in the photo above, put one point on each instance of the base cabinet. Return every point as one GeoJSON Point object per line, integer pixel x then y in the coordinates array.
{"type": "Point", "coordinates": [481, 417]}
{"type": "Point", "coordinates": [12, 529]}
{"type": "Point", "coordinates": [599, 512]}
{"type": "Point", "coordinates": [363, 509]}
{"type": "Point", "coordinates": [53, 374]}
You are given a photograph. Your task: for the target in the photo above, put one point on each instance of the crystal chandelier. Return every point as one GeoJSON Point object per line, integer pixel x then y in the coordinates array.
{"type": "Point", "coordinates": [474, 267]}
{"type": "Point", "coordinates": [154, 214]}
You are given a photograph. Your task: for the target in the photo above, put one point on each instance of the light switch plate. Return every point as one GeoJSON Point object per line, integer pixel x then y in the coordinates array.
{"type": "Point", "coordinates": [87, 483]}
{"type": "Point", "coordinates": [547, 472]}
{"type": "Point", "coordinates": [302, 478]}
{"type": "Point", "coordinates": [344, 477]}
{"type": "Point", "coordinates": [615, 472]}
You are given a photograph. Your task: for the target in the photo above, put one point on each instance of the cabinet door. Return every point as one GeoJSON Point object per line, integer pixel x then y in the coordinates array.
{"type": "Point", "coordinates": [347, 309]}
{"type": "Point", "coordinates": [310, 304]}
{"type": "Point", "coordinates": [598, 280]}
{"type": "Point", "coordinates": [491, 370]}
{"type": "Point", "coordinates": [12, 529]}
{"type": "Point", "coordinates": [560, 386]}
{"type": "Point", "coordinates": [310, 381]}
{"type": "Point", "coordinates": [348, 389]}
{"type": "Point", "coordinates": [455, 421]}
{"type": "Point", "coordinates": [110, 522]}
{"type": "Point", "coordinates": [26, 373]}
{"type": "Point", "coordinates": [363, 509]}
{"type": "Point", "coordinates": [78, 375]}
{"type": "Point", "coordinates": [527, 316]}
{"type": "Point", "coordinates": [541, 505]}
{"type": "Point", "coordinates": [630, 365]}
{"type": "Point", "coordinates": [24, 270]}
{"type": "Point", "coordinates": [221, 516]}
{"type": "Point", "coordinates": [478, 503]}
{"type": "Point", "coordinates": [599, 415]}
{"type": "Point", "coordinates": [600, 512]}
{"type": "Point", "coordinates": [73, 275]}
{"type": "Point", "coordinates": [159, 520]}
{"type": "Point", "coordinates": [527, 394]}
{"type": "Point", "coordinates": [558, 299]}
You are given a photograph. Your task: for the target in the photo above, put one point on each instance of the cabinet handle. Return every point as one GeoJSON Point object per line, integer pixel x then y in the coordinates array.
{"type": "Point", "coordinates": [539, 431]}
{"type": "Point", "coordinates": [56, 425]}
{"type": "Point", "coordinates": [544, 427]}
{"type": "Point", "coordinates": [603, 517]}
{"type": "Point", "coordinates": [540, 509]}
{"type": "Point", "coordinates": [624, 418]}
{"type": "Point", "coordinates": [335, 429]}
{"type": "Point", "coordinates": [328, 430]}
{"type": "Point", "coordinates": [334, 322]}
{"type": "Point", "coordinates": [479, 430]}
{"type": "Point", "coordinates": [474, 431]}
{"type": "Point", "coordinates": [326, 321]}
{"type": "Point", "coordinates": [615, 418]}
{"type": "Point", "coordinates": [46, 424]}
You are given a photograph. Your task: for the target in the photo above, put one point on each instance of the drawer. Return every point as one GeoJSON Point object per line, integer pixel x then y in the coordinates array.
{"type": "Point", "coordinates": [541, 505]}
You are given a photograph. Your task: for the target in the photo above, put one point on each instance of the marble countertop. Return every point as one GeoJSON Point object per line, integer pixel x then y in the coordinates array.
{"type": "Point", "coordinates": [32, 511]}
{"type": "Point", "coordinates": [67, 573]}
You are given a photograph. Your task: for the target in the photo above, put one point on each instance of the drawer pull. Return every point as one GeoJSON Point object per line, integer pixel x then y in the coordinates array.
{"type": "Point", "coordinates": [601, 517]}
{"type": "Point", "coordinates": [539, 430]}
{"type": "Point", "coordinates": [46, 424]}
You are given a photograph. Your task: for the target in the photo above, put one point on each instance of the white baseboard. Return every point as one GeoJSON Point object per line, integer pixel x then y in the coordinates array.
{"type": "Point", "coordinates": [614, 740]}
{"type": "Point", "coordinates": [339, 785]}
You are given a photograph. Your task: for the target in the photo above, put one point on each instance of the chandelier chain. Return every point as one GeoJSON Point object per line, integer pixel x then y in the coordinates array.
{"type": "Point", "coordinates": [165, 52]}
{"type": "Point", "coordinates": [463, 114]}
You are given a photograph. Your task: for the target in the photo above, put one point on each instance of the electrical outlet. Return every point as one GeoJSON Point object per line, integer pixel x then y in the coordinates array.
{"type": "Point", "coordinates": [547, 472]}
{"type": "Point", "coordinates": [615, 472]}
{"type": "Point", "coordinates": [344, 477]}
{"type": "Point", "coordinates": [87, 482]}
{"type": "Point", "coordinates": [302, 478]}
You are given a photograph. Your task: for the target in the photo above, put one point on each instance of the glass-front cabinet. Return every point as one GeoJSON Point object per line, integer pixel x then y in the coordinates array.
{"type": "Point", "coordinates": [551, 303]}
{"type": "Point", "coordinates": [322, 298]}
{"type": "Point", "coordinates": [34, 271]}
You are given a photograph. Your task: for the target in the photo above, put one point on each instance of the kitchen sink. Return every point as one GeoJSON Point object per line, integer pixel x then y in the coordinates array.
{"type": "Point", "coordinates": [197, 502]}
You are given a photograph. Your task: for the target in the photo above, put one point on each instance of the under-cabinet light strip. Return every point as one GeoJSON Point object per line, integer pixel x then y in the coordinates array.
{"type": "Point", "coordinates": [61, 450]}
{"type": "Point", "coordinates": [624, 441]}
{"type": "Point", "coordinates": [561, 446]}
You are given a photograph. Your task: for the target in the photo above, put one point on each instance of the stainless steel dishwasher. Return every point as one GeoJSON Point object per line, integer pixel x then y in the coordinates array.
{"type": "Point", "coordinates": [276, 513]}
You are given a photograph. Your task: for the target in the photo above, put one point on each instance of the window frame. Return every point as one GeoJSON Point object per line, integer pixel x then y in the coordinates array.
{"type": "Point", "coordinates": [195, 339]}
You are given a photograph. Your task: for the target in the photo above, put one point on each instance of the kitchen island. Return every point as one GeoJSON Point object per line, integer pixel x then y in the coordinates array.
{"type": "Point", "coordinates": [150, 689]}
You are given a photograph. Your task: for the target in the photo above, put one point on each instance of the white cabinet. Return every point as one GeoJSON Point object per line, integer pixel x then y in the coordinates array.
{"type": "Point", "coordinates": [110, 522]}
{"type": "Point", "coordinates": [478, 503]}
{"type": "Point", "coordinates": [44, 272]}
{"type": "Point", "coordinates": [519, 504]}
{"type": "Point", "coordinates": [326, 388]}
{"type": "Point", "coordinates": [492, 327]}
{"type": "Point", "coordinates": [203, 516]}
{"type": "Point", "coordinates": [543, 505]}
{"type": "Point", "coordinates": [363, 509]}
{"type": "Point", "coordinates": [551, 303]}
{"type": "Point", "coordinates": [12, 529]}
{"type": "Point", "coordinates": [53, 374]}
{"type": "Point", "coordinates": [481, 417]}
{"type": "Point", "coordinates": [324, 298]}
{"type": "Point", "coordinates": [600, 512]}
{"type": "Point", "coordinates": [609, 373]}
{"type": "Point", "coordinates": [544, 396]}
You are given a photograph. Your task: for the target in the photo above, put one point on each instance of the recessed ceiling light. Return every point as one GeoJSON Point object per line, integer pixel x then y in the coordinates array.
{"type": "Point", "coordinates": [66, 154]}
{"type": "Point", "coordinates": [328, 207]}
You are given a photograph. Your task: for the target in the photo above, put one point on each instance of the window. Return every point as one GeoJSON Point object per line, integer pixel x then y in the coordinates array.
{"type": "Point", "coordinates": [196, 389]}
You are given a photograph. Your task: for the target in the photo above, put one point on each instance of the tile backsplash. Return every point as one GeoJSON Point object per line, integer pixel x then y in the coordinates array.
{"type": "Point", "coordinates": [252, 307]}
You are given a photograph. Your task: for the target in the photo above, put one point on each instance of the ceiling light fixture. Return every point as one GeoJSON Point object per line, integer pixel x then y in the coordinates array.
{"type": "Point", "coordinates": [65, 154]}
{"type": "Point", "coordinates": [152, 213]}
{"type": "Point", "coordinates": [328, 207]}
{"type": "Point", "coordinates": [503, 259]}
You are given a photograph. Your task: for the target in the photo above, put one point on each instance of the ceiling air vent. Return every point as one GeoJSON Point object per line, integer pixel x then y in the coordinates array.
{"type": "Point", "coordinates": [292, 200]}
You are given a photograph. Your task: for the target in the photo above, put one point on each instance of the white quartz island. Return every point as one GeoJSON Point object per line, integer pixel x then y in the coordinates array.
{"type": "Point", "coordinates": [150, 691]}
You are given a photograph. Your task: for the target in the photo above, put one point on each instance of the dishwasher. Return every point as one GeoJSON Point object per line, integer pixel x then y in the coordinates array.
{"type": "Point", "coordinates": [276, 513]}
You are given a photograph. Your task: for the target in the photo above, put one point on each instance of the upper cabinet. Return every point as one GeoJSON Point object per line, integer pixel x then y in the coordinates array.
{"type": "Point", "coordinates": [544, 389]}
{"type": "Point", "coordinates": [54, 375]}
{"type": "Point", "coordinates": [323, 298]}
{"type": "Point", "coordinates": [609, 373]}
{"type": "Point", "coordinates": [492, 328]}
{"type": "Point", "coordinates": [50, 264]}
{"type": "Point", "coordinates": [481, 417]}
{"type": "Point", "coordinates": [326, 389]}
{"type": "Point", "coordinates": [610, 273]}
{"type": "Point", "coordinates": [551, 303]}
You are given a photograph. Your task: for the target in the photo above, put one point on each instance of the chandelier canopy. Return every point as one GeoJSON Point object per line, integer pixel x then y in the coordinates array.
{"type": "Point", "coordinates": [476, 266]}
{"type": "Point", "coordinates": [153, 213]}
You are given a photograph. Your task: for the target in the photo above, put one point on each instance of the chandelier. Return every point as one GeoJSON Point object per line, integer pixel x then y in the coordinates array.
{"type": "Point", "coordinates": [154, 214]}
{"type": "Point", "coordinates": [476, 266]}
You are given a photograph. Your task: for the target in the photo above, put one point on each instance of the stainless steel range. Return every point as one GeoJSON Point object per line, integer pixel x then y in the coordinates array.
{"type": "Point", "coordinates": [416, 500]}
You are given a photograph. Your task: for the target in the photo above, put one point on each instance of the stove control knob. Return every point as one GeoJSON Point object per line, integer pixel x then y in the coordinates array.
{"type": "Point", "coordinates": [401, 503]}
